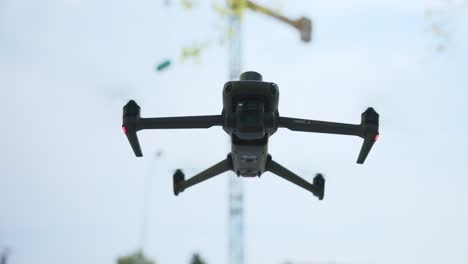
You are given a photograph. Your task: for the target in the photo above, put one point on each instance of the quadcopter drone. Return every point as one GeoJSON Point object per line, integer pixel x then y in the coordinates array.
{"type": "Point", "coordinates": [250, 116]}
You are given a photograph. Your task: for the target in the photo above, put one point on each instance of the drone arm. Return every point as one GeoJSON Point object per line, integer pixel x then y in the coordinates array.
{"type": "Point", "coordinates": [132, 122]}
{"type": "Point", "coordinates": [368, 129]}
{"type": "Point", "coordinates": [316, 189]}
{"type": "Point", "coordinates": [305, 125]}
{"type": "Point", "coordinates": [179, 122]}
{"type": "Point", "coordinates": [180, 184]}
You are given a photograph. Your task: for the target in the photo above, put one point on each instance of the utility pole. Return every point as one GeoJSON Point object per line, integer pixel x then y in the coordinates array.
{"type": "Point", "coordinates": [236, 194]}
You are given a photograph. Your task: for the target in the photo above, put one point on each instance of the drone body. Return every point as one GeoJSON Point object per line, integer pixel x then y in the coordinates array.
{"type": "Point", "coordinates": [250, 116]}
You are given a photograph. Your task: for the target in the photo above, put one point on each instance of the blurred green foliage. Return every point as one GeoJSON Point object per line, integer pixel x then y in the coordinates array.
{"type": "Point", "coordinates": [196, 259]}
{"type": "Point", "coordinates": [135, 258]}
{"type": "Point", "coordinates": [187, 4]}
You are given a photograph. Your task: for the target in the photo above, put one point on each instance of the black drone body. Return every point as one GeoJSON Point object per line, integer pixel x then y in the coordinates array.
{"type": "Point", "coordinates": [250, 116]}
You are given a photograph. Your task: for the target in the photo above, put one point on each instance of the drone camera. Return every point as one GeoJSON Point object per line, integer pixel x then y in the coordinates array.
{"type": "Point", "coordinates": [249, 120]}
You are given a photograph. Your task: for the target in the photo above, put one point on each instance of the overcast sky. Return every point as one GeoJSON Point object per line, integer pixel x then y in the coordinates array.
{"type": "Point", "coordinates": [71, 188]}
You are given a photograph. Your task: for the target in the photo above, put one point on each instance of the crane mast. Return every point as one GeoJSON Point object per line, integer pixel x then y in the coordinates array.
{"type": "Point", "coordinates": [236, 194]}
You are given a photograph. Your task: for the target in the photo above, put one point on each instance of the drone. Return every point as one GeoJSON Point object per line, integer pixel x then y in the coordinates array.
{"type": "Point", "coordinates": [250, 116]}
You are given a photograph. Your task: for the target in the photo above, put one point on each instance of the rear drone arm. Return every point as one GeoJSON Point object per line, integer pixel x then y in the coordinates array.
{"type": "Point", "coordinates": [317, 188]}
{"type": "Point", "coordinates": [132, 122]}
{"type": "Point", "coordinates": [368, 129]}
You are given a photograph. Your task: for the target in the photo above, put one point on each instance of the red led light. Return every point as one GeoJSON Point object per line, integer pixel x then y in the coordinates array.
{"type": "Point", "coordinates": [124, 129]}
{"type": "Point", "coordinates": [376, 137]}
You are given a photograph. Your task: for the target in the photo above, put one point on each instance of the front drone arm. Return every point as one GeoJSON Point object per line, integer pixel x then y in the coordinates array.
{"type": "Point", "coordinates": [179, 122]}
{"type": "Point", "coordinates": [305, 125]}
{"type": "Point", "coordinates": [368, 129]}
{"type": "Point", "coordinates": [132, 122]}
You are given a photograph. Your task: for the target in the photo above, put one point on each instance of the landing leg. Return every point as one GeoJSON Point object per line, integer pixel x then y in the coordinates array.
{"type": "Point", "coordinates": [180, 184]}
{"type": "Point", "coordinates": [317, 188]}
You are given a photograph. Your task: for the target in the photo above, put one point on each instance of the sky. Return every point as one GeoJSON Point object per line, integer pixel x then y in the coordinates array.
{"type": "Point", "coordinates": [72, 190]}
